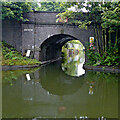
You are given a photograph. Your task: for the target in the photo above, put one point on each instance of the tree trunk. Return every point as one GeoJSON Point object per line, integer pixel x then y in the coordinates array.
{"type": "Point", "coordinates": [116, 37]}
{"type": "Point", "coordinates": [97, 40]}
{"type": "Point", "coordinates": [109, 39]}
{"type": "Point", "coordinates": [105, 40]}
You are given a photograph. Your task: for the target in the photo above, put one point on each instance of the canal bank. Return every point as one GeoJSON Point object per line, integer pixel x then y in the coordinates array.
{"type": "Point", "coordinates": [20, 67]}
{"type": "Point", "coordinates": [111, 69]}
{"type": "Point", "coordinates": [102, 68]}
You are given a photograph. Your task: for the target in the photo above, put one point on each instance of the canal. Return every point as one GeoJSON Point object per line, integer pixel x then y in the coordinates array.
{"type": "Point", "coordinates": [62, 89]}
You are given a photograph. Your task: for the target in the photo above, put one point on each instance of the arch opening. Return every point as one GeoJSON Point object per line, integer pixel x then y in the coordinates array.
{"type": "Point", "coordinates": [51, 48]}
{"type": "Point", "coordinates": [73, 58]}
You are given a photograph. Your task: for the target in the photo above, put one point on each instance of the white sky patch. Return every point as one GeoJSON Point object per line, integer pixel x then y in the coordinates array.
{"type": "Point", "coordinates": [84, 9]}
{"type": "Point", "coordinates": [72, 8]}
{"type": "Point", "coordinates": [39, 4]}
{"type": "Point", "coordinates": [76, 9]}
{"type": "Point", "coordinates": [85, 4]}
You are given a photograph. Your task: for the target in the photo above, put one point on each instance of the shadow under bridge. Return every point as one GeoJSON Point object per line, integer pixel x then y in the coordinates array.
{"type": "Point", "coordinates": [52, 46]}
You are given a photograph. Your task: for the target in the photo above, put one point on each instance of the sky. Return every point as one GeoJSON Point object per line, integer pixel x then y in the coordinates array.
{"type": "Point", "coordinates": [76, 9]}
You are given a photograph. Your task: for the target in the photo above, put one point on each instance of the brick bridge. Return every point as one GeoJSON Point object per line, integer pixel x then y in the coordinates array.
{"type": "Point", "coordinates": [42, 35]}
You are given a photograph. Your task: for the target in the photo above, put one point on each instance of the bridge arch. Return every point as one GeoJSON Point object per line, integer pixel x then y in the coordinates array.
{"type": "Point", "coordinates": [52, 46]}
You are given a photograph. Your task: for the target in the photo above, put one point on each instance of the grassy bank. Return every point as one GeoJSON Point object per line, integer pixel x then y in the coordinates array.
{"type": "Point", "coordinates": [10, 56]}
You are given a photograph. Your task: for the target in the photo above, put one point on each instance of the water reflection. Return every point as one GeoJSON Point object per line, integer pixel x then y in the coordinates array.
{"type": "Point", "coordinates": [91, 87]}
{"type": "Point", "coordinates": [48, 93]}
{"type": "Point", "coordinates": [73, 63]}
{"type": "Point", "coordinates": [59, 83]}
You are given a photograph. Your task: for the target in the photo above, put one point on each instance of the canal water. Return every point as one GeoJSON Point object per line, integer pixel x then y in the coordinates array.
{"type": "Point", "coordinates": [62, 89]}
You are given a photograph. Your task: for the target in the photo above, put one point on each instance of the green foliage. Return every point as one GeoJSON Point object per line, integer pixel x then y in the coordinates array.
{"type": "Point", "coordinates": [35, 6]}
{"type": "Point", "coordinates": [15, 10]}
{"type": "Point", "coordinates": [93, 57]}
{"type": "Point", "coordinates": [13, 57]}
{"type": "Point", "coordinates": [69, 17]}
{"type": "Point", "coordinates": [110, 58]}
{"type": "Point", "coordinates": [64, 51]}
{"type": "Point", "coordinates": [105, 14]}
{"type": "Point", "coordinates": [111, 15]}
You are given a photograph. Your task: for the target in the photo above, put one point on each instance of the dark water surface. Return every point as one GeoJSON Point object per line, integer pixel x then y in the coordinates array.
{"type": "Point", "coordinates": [49, 92]}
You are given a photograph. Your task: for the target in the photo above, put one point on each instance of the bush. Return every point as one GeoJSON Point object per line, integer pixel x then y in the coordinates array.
{"type": "Point", "coordinates": [12, 57]}
{"type": "Point", "coordinates": [110, 58]}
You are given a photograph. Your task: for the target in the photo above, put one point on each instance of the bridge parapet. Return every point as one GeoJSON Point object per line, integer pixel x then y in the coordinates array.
{"type": "Point", "coordinates": [41, 17]}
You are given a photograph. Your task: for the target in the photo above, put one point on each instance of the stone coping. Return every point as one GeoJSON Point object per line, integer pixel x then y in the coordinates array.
{"type": "Point", "coordinates": [86, 67]}
{"type": "Point", "coordinates": [102, 68]}
{"type": "Point", "coordinates": [50, 61]}
{"type": "Point", "coordinates": [18, 67]}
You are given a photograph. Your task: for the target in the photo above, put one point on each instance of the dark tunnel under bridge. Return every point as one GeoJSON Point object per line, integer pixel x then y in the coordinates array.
{"type": "Point", "coordinates": [52, 46]}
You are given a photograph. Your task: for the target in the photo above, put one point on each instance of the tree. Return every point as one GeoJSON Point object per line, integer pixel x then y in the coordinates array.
{"type": "Point", "coordinates": [111, 19]}
{"type": "Point", "coordinates": [15, 10]}
{"type": "Point", "coordinates": [73, 16]}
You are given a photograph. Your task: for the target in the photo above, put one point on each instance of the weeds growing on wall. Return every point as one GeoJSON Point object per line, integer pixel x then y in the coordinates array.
{"type": "Point", "coordinates": [10, 56]}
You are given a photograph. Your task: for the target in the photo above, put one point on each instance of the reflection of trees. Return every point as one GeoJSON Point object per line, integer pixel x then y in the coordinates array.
{"type": "Point", "coordinates": [71, 65]}
{"type": "Point", "coordinates": [10, 76]}
{"type": "Point", "coordinates": [93, 76]}
{"type": "Point", "coordinates": [99, 80]}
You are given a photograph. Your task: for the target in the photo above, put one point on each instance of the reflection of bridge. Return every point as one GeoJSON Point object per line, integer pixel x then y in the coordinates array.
{"type": "Point", "coordinates": [59, 83]}
{"type": "Point", "coordinates": [42, 96]}
{"type": "Point", "coordinates": [42, 34]}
